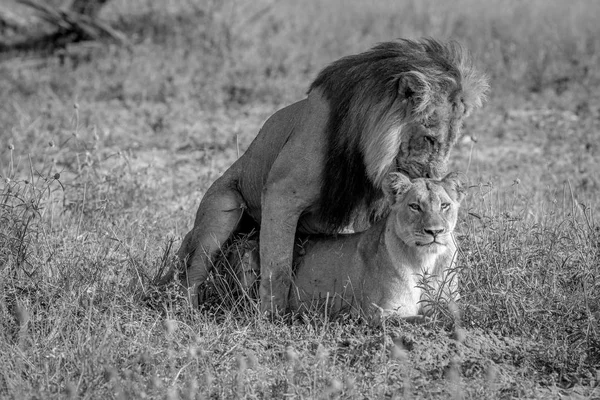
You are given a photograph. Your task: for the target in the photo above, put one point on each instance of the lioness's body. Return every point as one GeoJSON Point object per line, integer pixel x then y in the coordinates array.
{"type": "Point", "coordinates": [379, 269]}
{"type": "Point", "coordinates": [356, 272]}
{"type": "Point", "coordinates": [365, 274]}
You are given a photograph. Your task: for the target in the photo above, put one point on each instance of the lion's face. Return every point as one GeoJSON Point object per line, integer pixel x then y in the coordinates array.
{"type": "Point", "coordinates": [427, 141]}
{"type": "Point", "coordinates": [425, 211]}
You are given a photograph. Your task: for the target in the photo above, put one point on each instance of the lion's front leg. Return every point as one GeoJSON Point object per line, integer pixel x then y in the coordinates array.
{"type": "Point", "coordinates": [277, 232]}
{"type": "Point", "coordinates": [292, 187]}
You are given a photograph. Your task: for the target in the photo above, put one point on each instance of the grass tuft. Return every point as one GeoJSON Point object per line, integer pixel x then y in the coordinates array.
{"type": "Point", "coordinates": [536, 278]}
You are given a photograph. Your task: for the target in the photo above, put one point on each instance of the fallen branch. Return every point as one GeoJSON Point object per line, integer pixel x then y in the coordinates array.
{"type": "Point", "coordinates": [9, 19]}
{"type": "Point", "coordinates": [68, 27]}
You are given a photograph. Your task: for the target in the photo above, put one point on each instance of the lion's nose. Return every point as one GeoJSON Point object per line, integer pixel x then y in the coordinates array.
{"type": "Point", "coordinates": [434, 232]}
{"type": "Point", "coordinates": [431, 175]}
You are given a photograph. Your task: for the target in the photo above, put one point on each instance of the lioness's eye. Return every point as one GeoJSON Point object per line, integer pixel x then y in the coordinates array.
{"type": "Point", "coordinates": [414, 206]}
{"type": "Point", "coordinates": [445, 206]}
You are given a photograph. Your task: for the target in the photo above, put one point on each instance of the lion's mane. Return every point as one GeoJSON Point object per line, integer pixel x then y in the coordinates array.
{"type": "Point", "coordinates": [364, 130]}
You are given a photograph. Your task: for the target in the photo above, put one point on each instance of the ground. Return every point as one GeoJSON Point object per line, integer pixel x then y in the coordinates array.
{"type": "Point", "coordinates": [106, 152]}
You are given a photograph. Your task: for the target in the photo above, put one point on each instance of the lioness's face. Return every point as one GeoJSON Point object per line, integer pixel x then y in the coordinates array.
{"type": "Point", "coordinates": [425, 216]}
{"type": "Point", "coordinates": [427, 141]}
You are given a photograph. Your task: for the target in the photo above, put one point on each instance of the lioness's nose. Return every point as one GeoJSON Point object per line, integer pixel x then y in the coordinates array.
{"type": "Point", "coordinates": [434, 232]}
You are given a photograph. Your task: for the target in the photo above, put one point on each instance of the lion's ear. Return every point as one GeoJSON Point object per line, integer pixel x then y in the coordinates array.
{"type": "Point", "coordinates": [475, 90]}
{"type": "Point", "coordinates": [396, 184]}
{"type": "Point", "coordinates": [414, 87]}
{"type": "Point", "coordinates": [454, 181]}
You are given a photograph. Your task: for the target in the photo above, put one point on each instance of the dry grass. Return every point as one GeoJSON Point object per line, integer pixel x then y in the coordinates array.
{"type": "Point", "coordinates": [106, 152]}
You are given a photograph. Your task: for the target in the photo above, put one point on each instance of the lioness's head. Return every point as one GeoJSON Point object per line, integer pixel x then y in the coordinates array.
{"type": "Point", "coordinates": [424, 210]}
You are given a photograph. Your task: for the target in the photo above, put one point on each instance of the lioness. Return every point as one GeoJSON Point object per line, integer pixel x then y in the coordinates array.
{"type": "Point", "coordinates": [396, 107]}
{"type": "Point", "coordinates": [378, 270]}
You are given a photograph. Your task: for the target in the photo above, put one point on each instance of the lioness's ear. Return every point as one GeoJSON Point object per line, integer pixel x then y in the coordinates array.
{"type": "Point", "coordinates": [396, 184]}
{"type": "Point", "coordinates": [455, 183]}
{"type": "Point", "coordinates": [413, 86]}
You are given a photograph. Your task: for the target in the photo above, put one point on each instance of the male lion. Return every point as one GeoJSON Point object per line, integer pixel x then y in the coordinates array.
{"type": "Point", "coordinates": [378, 270]}
{"type": "Point", "coordinates": [318, 165]}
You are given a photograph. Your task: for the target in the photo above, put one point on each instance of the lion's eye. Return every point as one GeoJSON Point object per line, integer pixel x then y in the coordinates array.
{"type": "Point", "coordinates": [430, 140]}
{"type": "Point", "coordinates": [445, 206]}
{"type": "Point", "coordinates": [414, 207]}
